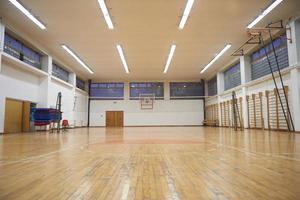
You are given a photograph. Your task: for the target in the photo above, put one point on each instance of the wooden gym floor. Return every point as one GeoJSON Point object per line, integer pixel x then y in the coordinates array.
{"type": "Point", "coordinates": [150, 163]}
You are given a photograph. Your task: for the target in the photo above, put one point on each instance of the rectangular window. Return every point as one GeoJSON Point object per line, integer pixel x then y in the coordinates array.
{"type": "Point", "coordinates": [20, 51]}
{"type": "Point", "coordinates": [156, 88]}
{"type": "Point", "coordinates": [186, 90]}
{"type": "Point", "coordinates": [107, 91]}
{"type": "Point", "coordinates": [259, 62]}
{"type": "Point", "coordinates": [232, 76]}
{"type": "Point", "coordinates": [212, 86]}
{"type": "Point", "coordinates": [12, 46]}
{"type": "Point", "coordinates": [60, 72]}
{"type": "Point", "coordinates": [80, 83]}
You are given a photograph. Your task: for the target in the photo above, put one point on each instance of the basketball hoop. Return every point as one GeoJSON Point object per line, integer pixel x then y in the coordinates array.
{"type": "Point", "coordinates": [147, 101]}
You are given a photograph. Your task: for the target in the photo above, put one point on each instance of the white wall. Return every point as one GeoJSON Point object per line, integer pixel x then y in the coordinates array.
{"type": "Point", "coordinates": [290, 76]}
{"type": "Point", "coordinates": [254, 87]}
{"type": "Point", "coordinates": [22, 85]}
{"type": "Point", "coordinates": [16, 84]}
{"type": "Point", "coordinates": [20, 82]}
{"type": "Point", "coordinates": [80, 108]}
{"type": "Point", "coordinates": [165, 112]}
{"type": "Point", "coordinates": [67, 102]}
{"type": "Point", "coordinates": [74, 103]}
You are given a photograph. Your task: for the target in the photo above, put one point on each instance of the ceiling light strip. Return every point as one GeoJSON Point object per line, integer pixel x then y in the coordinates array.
{"type": "Point", "coordinates": [67, 49]}
{"type": "Point", "coordinates": [216, 58]}
{"type": "Point", "coordinates": [106, 14]}
{"type": "Point", "coordinates": [28, 14]}
{"type": "Point", "coordinates": [264, 13]}
{"type": "Point", "coordinates": [186, 13]}
{"type": "Point", "coordinates": [172, 50]}
{"type": "Point", "coordinates": [121, 53]}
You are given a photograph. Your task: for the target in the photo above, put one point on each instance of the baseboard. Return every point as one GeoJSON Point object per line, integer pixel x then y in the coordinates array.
{"type": "Point", "coordinates": [78, 127]}
{"type": "Point", "coordinates": [153, 126]}
{"type": "Point", "coordinates": [259, 129]}
{"type": "Point", "coordinates": [165, 126]}
{"type": "Point", "coordinates": [75, 127]}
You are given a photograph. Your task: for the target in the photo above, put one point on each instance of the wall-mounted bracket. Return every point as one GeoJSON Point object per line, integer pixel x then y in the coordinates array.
{"type": "Point", "coordinates": [255, 35]}
{"type": "Point", "coordinates": [239, 52]}
{"type": "Point", "coordinates": [254, 39]}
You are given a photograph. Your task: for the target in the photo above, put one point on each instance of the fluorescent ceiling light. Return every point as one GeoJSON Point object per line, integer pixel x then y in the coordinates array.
{"type": "Point", "coordinates": [186, 13]}
{"type": "Point", "coordinates": [216, 58]}
{"type": "Point", "coordinates": [77, 58]}
{"type": "Point", "coordinates": [106, 14]}
{"type": "Point", "coordinates": [172, 50]}
{"type": "Point", "coordinates": [121, 53]}
{"type": "Point", "coordinates": [28, 14]}
{"type": "Point", "coordinates": [264, 13]}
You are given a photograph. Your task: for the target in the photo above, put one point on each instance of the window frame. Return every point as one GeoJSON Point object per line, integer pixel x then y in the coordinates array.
{"type": "Point", "coordinates": [214, 83]}
{"type": "Point", "coordinates": [187, 97]}
{"type": "Point", "coordinates": [80, 80]}
{"type": "Point", "coordinates": [159, 85]}
{"type": "Point", "coordinates": [60, 69]}
{"type": "Point", "coordinates": [258, 57]}
{"type": "Point", "coordinates": [25, 53]}
{"type": "Point", "coordinates": [231, 68]}
{"type": "Point", "coordinates": [106, 84]}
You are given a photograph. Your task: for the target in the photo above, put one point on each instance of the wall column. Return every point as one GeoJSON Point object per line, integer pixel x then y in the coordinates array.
{"type": "Point", "coordinates": [45, 82]}
{"type": "Point", "coordinates": [126, 91]}
{"type": "Point", "coordinates": [294, 60]}
{"type": "Point", "coordinates": [220, 82]}
{"type": "Point", "coordinates": [205, 88]}
{"type": "Point", "coordinates": [72, 81]}
{"type": "Point", "coordinates": [245, 66]}
{"type": "Point", "coordinates": [295, 96]}
{"type": "Point", "coordinates": [167, 91]}
{"type": "Point", "coordinates": [220, 89]}
{"type": "Point", "coordinates": [294, 46]}
{"type": "Point", "coordinates": [2, 33]}
{"type": "Point", "coordinates": [2, 99]}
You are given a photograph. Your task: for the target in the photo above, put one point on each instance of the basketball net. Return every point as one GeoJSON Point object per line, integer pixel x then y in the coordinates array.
{"type": "Point", "coordinates": [147, 101]}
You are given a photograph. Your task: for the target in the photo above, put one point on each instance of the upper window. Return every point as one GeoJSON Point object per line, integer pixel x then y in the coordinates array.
{"type": "Point", "coordinates": [107, 90]}
{"type": "Point", "coordinates": [20, 51]}
{"type": "Point", "coordinates": [186, 90]}
{"type": "Point", "coordinates": [80, 83]}
{"type": "Point", "coordinates": [212, 86]}
{"type": "Point", "coordinates": [259, 62]}
{"type": "Point", "coordinates": [156, 88]}
{"type": "Point", "coordinates": [232, 77]}
{"type": "Point", "coordinates": [60, 72]}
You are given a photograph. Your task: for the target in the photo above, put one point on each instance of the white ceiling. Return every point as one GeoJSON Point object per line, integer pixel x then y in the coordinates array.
{"type": "Point", "coordinates": [146, 29]}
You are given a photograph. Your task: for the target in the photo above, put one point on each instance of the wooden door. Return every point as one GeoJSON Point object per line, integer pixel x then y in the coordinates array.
{"type": "Point", "coordinates": [119, 119]}
{"type": "Point", "coordinates": [13, 121]}
{"type": "Point", "coordinates": [110, 118]}
{"type": "Point", "coordinates": [26, 117]}
{"type": "Point", "coordinates": [114, 118]}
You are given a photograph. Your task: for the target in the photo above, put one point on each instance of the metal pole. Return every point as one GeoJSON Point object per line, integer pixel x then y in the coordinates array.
{"type": "Point", "coordinates": [279, 71]}
{"type": "Point", "coordinates": [58, 107]}
{"type": "Point", "coordinates": [234, 111]}
{"type": "Point", "coordinates": [89, 103]}
{"type": "Point", "coordinates": [277, 90]}
{"type": "Point", "coordinates": [204, 103]}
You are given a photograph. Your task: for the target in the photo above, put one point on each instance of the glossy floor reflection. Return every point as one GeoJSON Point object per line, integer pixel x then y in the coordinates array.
{"type": "Point", "coordinates": [150, 163]}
